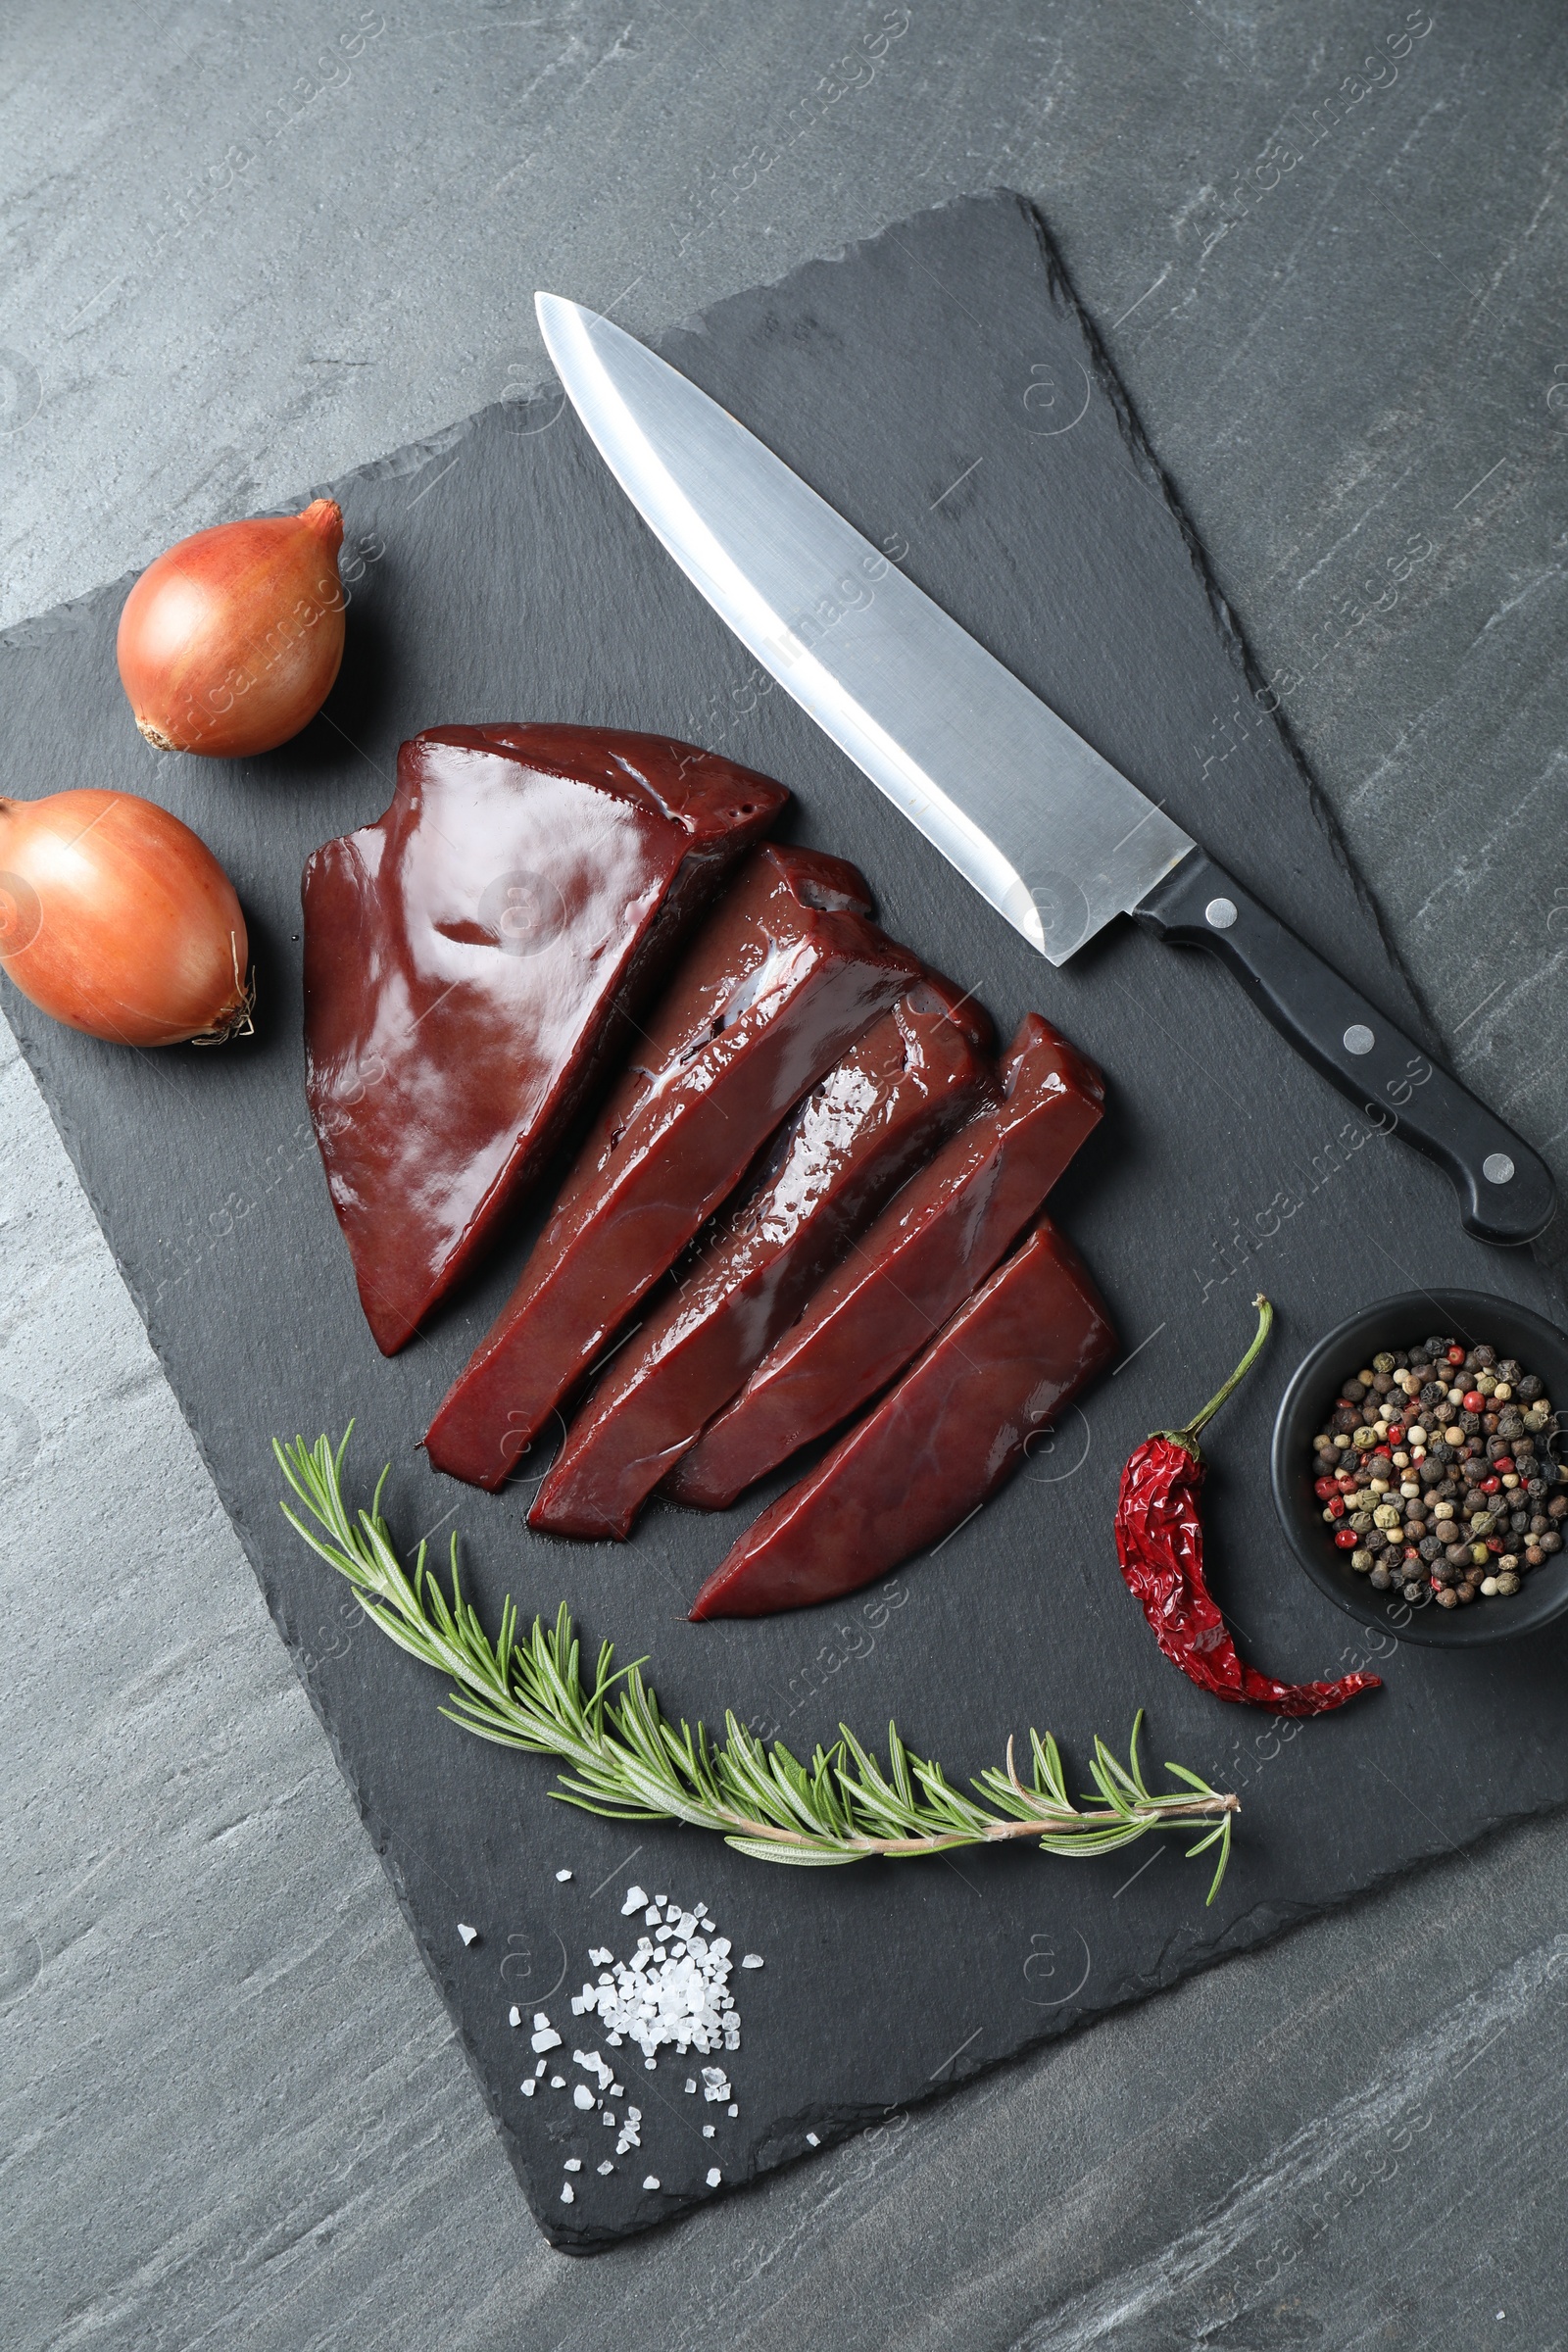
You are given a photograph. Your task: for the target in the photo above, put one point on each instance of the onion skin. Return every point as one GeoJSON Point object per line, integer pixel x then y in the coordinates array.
{"type": "Point", "coordinates": [229, 643]}
{"type": "Point", "coordinates": [117, 920]}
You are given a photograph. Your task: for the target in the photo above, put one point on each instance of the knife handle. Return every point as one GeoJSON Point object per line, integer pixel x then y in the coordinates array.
{"type": "Point", "coordinates": [1506, 1193]}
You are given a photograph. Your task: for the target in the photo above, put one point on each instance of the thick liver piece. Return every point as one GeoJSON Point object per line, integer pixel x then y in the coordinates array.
{"type": "Point", "coordinates": [784, 976]}
{"type": "Point", "coordinates": [471, 963]}
{"type": "Point", "coordinates": [846, 1146]}
{"type": "Point", "coordinates": [930, 1247]}
{"type": "Point", "coordinates": [938, 1445]}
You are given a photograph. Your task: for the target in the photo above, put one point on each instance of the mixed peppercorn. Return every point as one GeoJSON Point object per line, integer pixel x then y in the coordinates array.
{"type": "Point", "coordinates": [1434, 1473]}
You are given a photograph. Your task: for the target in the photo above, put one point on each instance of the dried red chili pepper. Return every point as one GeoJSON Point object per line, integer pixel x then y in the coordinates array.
{"type": "Point", "coordinates": [1159, 1541]}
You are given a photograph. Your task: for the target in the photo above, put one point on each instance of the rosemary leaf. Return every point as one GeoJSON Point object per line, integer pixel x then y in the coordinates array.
{"type": "Point", "coordinates": [623, 1759]}
{"type": "Point", "coordinates": [802, 1858]}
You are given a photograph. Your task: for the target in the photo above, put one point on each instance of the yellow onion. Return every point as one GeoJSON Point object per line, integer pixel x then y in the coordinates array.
{"type": "Point", "coordinates": [118, 919]}
{"type": "Point", "coordinates": [229, 643]}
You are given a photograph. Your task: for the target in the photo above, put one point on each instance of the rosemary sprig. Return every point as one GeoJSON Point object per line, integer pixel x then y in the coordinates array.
{"type": "Point", "coordinates": [626, 1762]}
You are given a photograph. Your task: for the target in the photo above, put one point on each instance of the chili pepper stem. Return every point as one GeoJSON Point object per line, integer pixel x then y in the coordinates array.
{"type": "Point", "coordinates": [1186, 1436]}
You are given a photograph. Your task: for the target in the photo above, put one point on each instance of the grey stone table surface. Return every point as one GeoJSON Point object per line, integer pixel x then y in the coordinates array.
{"type": "Point", "coordinates": [247, 250]}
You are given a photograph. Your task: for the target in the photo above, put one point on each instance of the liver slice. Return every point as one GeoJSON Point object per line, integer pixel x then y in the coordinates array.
{"type": "Point", "coordinates": [938, 1445]}
{"type": "Point", "coordinates": [846, 1146]}
{"type": "Point", "coordinates": [784, 976]}
{"type": "Point", "coordinates": [931, 1246]}
{"type": "Point", "coordinates": [471, 963]}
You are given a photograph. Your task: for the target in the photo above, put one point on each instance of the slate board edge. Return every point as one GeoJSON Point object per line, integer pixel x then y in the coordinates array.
{"type": "Point", "coordinates": [1255, 1928]}
{"type": "Point", "coordinates": [1062, 292]}
{"type": "Point", "coordinates": [379, 1834]}
{"type": "Point", "coordinates": [1274, 1922]}
{"type": "Point", "coordinates": [1141, 451]}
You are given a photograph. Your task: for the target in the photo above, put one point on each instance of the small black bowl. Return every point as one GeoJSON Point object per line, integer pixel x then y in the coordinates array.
{"type": "Point", "coordinates": [1394, 1323]}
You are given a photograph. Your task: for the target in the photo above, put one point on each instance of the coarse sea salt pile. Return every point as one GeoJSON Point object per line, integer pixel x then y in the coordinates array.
{"type": "Point", "coordinates": [672, 1992]}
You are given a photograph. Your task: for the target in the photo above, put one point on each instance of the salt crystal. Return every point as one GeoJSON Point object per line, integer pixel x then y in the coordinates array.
{"type": "Point", "coordinates": [752, 1960]}
{"type": "Point", "coordinates": [468, 1934]}
{"type": "Point", "coordinates": [648, 2065]}
{"type": "Point", "coordinates": [540, 2068]}
{"type": "Point", "coordinates": [708, 2131]}
{"type": "Point", "coordinates": [732, 2109]}
{"type": "Point", "coordinates": [607, 2166]}
{"type": "Point", "coordinates": [652, 2180]}
{"type": "Point", "coordinates": [714, 2175]}
{"type": "Point", "coordinates": [569, 2195]}
{"type": "Point", "coordinates": [527, 2089]}
{"type": "Point", "coordinates": [514, 2014]}
{"type": "Point", "coordinates": [811, 2140]}
{"type": "Point", "coordinates": [561, 1875]}
{"type": "Point", "coordinates": [547, 2039]}
{"type": "Point", "coordinates": [540, 2020]}
{"type": "Point", "coordinates": [583, 2096]}
{"type": "Point", "coordinates": [652, 1916]}
{"type": "Point", "coordinates": [690, 2083]}
{"type": "Point", "coordinates": [557, 2081]}
{"type": "Point", "coordinates": [573, 2164]}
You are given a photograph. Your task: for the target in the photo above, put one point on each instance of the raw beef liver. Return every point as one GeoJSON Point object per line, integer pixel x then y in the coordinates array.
{"type": "Point", "coordinates": [783, 979]}
{"type": "Point", "coordinates": [931, 1246]}
{"type": "Point", "coordinates": [938, 1445]}
{"type": "Point", "coordinates": [471, 962]}
{"type": "Point", "coordinates": [846, 1146]}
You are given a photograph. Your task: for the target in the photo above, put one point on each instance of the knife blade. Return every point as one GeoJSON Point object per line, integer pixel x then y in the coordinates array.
{"type": "Point", "coordinates": [1043, 827]}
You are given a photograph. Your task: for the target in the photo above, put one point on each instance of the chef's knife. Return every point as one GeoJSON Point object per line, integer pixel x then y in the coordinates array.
{"type": "Point", "coordinates": [1055, 838]}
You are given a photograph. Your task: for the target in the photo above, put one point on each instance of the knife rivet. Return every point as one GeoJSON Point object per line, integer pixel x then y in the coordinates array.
{"type": "Point", "coordinates": [1358, 1038]}
{"type": "Point", "coordinates": [1497, 1167]}
{"type": "Point", "coordinates": [1220, 913]}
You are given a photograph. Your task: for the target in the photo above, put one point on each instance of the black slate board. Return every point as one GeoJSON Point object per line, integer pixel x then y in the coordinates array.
{"type": "Point", "coordinates": [941, 387]}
